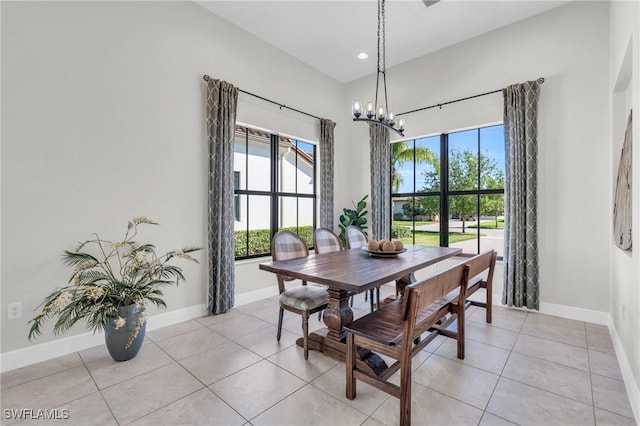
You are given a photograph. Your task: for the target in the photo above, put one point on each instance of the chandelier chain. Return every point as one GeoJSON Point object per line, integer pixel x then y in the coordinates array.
{"type": "Point", "coordinates": [384, 40]}
{"type": "Point", "coordinates": [378, 65]}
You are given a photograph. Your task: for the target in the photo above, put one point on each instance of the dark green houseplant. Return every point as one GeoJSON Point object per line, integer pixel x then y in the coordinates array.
{"type": "Point", "coordinates": [353, 217]}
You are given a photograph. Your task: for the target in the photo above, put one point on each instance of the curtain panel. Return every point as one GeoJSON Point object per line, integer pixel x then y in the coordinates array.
{"type": "Point", "coordinates": [326, 173]}
{"type": "Point", "coordinates": [380, 210]}
{"type": "Point", "coordinates": [521, 277]}
{"type": "Point", "coordinates": [222, 102]}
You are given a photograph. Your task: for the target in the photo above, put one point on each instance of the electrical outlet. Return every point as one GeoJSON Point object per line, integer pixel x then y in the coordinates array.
{"type": "Point", "coordinates": [14, 310]}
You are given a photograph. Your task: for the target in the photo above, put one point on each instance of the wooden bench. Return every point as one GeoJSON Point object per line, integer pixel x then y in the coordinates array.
{"type": "Point", "coordinates": [485, 261]}
{"type": "Point", "coordinates": [428, 306]}
{"type": "Point", "coordinates": [396, 329]}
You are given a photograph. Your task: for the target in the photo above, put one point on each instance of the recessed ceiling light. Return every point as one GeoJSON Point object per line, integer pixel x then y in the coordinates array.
{"type": "Point", "coordinates": [362, 55]}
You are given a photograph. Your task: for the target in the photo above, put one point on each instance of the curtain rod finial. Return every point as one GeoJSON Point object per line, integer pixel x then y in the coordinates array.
{"type": "Point", "coordinates": [206, 77]}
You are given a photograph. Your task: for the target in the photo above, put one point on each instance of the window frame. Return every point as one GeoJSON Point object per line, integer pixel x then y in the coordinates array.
{"type": "Point", "coordinates": [444, 193]}
{"type": "Point", "coordinates": [274, 194]}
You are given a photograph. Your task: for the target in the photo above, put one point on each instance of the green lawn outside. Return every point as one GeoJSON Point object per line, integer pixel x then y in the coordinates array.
{"type": "Point", "coordinates": [428, 238]}
{"type": "Point", "coordinates": [490, 224]}
{"type": "Point", "coordinates": [409, 223]}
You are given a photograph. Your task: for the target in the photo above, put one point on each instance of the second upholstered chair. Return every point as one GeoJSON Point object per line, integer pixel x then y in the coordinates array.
{"type": "Point", "coordinates": [302, 299]}
{"type": "Point", "coordinates": [357, 239]}
{"type": "Point", "coordinates": [325, 241]}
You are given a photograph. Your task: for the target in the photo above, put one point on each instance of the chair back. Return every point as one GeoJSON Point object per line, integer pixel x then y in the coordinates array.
{"type": "Point", "coordinates": [287, 245]}
{"type": "Point", "coordinates": [478, 265]}
{"type": "Point", "coordinates": [419, 298]}
{"type": "Point", "coordinates": [355, 237]}
{"type": "Point", "coordinates": [325, 241]}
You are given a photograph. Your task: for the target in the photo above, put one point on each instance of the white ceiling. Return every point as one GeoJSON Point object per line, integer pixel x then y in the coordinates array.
{"type": "Point", "coordinates": [328, 35]}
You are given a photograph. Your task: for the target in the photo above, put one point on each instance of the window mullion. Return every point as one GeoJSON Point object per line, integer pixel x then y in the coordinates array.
{"type": "Point", "coordinates": [478, 196]}
{"type": "Point", "coordinates": [274, 184]}
{"type": "Point", "coordinates": [444, 189]}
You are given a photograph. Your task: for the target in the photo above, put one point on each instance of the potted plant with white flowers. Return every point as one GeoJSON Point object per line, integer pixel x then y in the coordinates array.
{"type": "Point", "coordinates": [109, 288]}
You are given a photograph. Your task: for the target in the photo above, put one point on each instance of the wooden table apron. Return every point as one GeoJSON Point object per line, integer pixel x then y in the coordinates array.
{"type": "Point", "coordinates": [353, 271]}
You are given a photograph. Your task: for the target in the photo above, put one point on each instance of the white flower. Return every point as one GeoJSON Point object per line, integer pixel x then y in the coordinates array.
{"type": "Point", "coordinates": [85, 265]}
{"type": "Point", "coordinates": [141, 257]}
{"type": "Point", "coordinates": [182, 255]}
{"type": "Point", "coordinates": [94, 292]}
{"type": "Point", "coordinates": [62, 300]}
{"type": "Point", "coordinates": [143, 219]}
{"type": "Point", "coordinates": [118, 245]}
{"type": "Point", "coordinates": [119, 322]}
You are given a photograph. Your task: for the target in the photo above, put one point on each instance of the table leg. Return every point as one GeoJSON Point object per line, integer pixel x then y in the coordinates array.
{"type": "Point", "coordinates": [402, 282]}
{"type": "Point", "coordinates": [337, 314]}
{"type": "Point", "coordinates": [331, 341]}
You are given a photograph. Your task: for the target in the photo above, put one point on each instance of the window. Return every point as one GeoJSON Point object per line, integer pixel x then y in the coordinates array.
{"type": "Point", "coordinates": [448, 190]}
{"type": "Point", "coordinates": [275, 189]}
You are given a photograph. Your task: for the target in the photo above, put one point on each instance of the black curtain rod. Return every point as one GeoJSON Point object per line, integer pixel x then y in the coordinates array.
{"type": "Point", "coordinates": [540, 81]}
{"type": "Point", "coordinates": [207, 78]}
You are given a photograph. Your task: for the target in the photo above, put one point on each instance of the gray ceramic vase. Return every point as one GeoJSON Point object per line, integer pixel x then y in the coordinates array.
{"type": "Point", "coordinates": [117, 339]}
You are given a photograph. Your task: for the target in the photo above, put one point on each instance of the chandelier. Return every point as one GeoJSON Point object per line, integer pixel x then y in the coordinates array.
{"type": "Point", "coordinates": [381, 115]}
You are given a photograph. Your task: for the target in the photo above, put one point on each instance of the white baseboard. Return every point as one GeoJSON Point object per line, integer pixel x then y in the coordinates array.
{"type": "Point", "coordinates": [254, 296]}
{"type": "Point", "coordinates": [633, 390]}
{"type": "Point", "coordinates": [571, 312]}
{"type": "Point", "coordinates": [59, 347]}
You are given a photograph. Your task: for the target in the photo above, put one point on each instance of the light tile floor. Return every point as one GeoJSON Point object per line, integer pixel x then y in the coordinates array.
{"type": "Point", "coordinates": [524, 368]}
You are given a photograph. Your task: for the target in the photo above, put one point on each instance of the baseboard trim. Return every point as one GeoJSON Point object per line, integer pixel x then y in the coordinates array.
{"type": "Point", "coordinates": [571, 312]}
{"type": "Point", "coordinates": [254, 296]}
{"type": "Point", "coordinates": [66, 345]}
{"type": "Point", "coordinates": [633, 390]}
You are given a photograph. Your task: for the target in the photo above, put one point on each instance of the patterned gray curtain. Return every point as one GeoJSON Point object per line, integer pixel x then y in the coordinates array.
{"type": "Point", "coordinates": [222, 102]}
{"type": "Point", "coordinates": [326, 173]}
{"type": "Point", "coordinates": [521, 282]}
{"type": "Point", "coordinates": [380, 182]}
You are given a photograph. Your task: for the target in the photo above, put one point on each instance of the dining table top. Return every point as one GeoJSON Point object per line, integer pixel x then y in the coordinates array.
{"type": "Point", "coordinates": [355, 270]}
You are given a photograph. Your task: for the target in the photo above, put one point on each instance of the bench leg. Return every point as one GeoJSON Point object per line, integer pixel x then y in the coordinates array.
{"type": "Point", "coordinates": [460, 338]}
{"type": "Point", "coordinates": [405, 389]}
{"type": "Point", "coordinates": [351, 364]}
{"type": "Point", "coordinates": [489, 302]}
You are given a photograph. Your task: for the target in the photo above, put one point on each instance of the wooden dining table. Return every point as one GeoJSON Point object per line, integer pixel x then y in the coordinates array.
{"type": "Point", "coordinates": [354, 271]}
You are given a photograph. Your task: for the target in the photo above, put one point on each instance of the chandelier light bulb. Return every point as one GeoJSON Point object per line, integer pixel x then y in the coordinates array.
{"type": "Point", "coordinates": [381, 115]}
{"type": "Point", "coordinates": [391, 119]}
{"type": "Point", "coordinates": [357, 109]}
{"type": "Point", "coordinates": [401, 124]}
{"type": "Point", "coordinates": [369, 109]}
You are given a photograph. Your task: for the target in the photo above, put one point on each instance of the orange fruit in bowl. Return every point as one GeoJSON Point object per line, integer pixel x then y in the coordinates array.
{"type": "Point", "coordinates": [388, 246]}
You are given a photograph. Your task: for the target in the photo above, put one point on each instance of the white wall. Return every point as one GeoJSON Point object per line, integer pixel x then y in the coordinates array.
{"type": "Point", "coordinates": [567, 46]}
{"type": "Point", "coordinates": [103, 119]}
{"type": "Point", "coordinates": [624, 72]}
{"type": "Point", "coordinates": [102, 106]}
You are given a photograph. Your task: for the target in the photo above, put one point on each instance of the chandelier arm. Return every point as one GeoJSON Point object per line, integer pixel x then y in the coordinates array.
{"type": "Point", "coordinates": [375, 104]}
{"type": "Point", "coordinates": [380, 123]}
